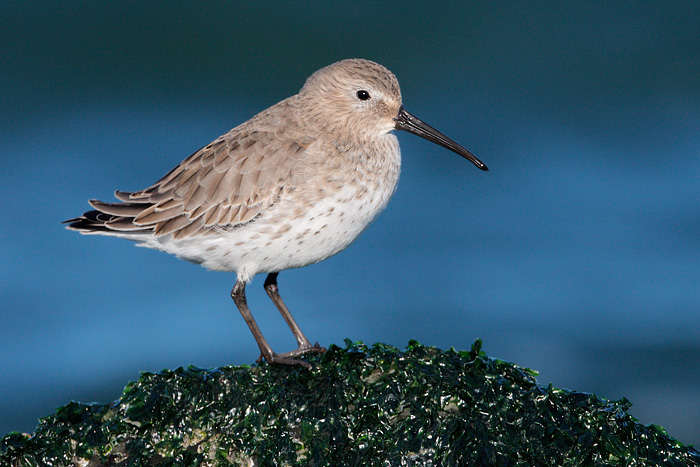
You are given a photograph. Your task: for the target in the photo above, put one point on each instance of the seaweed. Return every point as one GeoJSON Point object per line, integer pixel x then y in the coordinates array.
{"type": "Point", "coordinates": [358, 405]}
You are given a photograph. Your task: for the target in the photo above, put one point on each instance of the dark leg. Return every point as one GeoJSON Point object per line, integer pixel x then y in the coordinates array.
{"type": "Point", "coordinates": [302, 341]}
{"type": "Point", "coordinates": [238, 295]}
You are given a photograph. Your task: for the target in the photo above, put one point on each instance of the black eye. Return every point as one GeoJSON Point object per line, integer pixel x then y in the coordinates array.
{"type": "Point", "coordinates": [362, 95]}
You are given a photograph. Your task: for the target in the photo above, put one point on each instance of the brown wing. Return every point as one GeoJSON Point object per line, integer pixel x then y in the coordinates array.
{"type": "Point", "coordinates": [226, 183]}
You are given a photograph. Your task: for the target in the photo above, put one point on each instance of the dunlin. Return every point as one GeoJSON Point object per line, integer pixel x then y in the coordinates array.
{"type": "Point", "coordinates": [292, 186]}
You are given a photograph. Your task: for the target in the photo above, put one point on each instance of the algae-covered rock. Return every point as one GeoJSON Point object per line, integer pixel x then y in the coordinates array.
{"type": "Point", "coordinates": [359, 406]}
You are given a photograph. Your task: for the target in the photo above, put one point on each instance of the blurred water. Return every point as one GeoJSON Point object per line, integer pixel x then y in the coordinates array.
{"type": "Point", "coordinates": [576, 255]}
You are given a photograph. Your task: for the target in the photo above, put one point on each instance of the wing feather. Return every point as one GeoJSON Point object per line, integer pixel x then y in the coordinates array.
{"type": "Point", "coordinates": [171, 225]}
{"type": "Point", "coordinates": [154, 216]}
{"type": "Point", "coordinates": [229, 182]}
{"type": "Point", "coordinates": [117, 209]}
{"type": "Point", "coordinates": [193, 229]}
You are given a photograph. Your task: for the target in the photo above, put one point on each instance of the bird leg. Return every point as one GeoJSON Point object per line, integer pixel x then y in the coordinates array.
{"type": "Point", "coordinates": [238, 295]}
{"type": "Point", "coordinates": [302, 341]}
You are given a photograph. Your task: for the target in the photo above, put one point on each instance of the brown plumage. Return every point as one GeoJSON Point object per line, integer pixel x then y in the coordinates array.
{"type": "Point", "coordinates": [292, 186]}
{"type": "Point", "coordinates": [226, 183]}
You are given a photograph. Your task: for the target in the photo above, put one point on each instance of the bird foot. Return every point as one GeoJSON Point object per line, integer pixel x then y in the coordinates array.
{"type": "Point", "coordinates": [287, 358]}
{"type": "Point", "coordinates": [304, 349]}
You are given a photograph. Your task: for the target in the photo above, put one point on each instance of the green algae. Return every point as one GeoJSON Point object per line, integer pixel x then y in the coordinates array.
{"type": "Point", "coordinates": [359, 405]}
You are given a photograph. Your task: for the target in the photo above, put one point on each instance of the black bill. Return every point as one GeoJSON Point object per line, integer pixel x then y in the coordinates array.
{"type": "Point", "coordinates": [407, 122]}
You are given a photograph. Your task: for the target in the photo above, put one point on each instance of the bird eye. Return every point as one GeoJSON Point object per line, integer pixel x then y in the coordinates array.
{"type": "Point", "coordinates": [362, 95]}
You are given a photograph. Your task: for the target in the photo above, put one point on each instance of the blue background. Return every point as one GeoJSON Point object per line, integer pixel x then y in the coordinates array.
{"type": "Point", "coordinates": [577, 255]}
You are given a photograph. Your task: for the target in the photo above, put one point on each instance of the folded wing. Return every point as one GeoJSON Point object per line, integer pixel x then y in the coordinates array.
{"type": "Point", "coordinates": [227, 183]}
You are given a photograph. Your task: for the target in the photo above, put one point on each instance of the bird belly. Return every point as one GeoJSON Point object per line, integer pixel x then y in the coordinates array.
{"type": "Point", "coordinates": [288, 236]}
{"type": "Point", "coordinates": [314, 219]}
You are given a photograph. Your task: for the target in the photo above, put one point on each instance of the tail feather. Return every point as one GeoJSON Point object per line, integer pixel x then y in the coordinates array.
{"type": "Point", "coordinates": [109, 218]}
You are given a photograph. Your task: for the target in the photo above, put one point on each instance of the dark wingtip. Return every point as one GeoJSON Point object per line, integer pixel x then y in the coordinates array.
{"type": "Point", "coordinates": [90, 221]}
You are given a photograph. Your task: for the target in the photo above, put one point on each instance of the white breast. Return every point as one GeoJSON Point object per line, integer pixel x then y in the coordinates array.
{"type": "Point", "coordinates": [304, 227]}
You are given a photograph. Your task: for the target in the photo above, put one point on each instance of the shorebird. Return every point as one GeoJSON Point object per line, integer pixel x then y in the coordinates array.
{"type": "Point", "coordinates": [294, 185]}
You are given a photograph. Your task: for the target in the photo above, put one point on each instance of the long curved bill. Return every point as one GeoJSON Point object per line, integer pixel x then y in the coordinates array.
{"type": "Point", "coordinates": [407, 122]}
